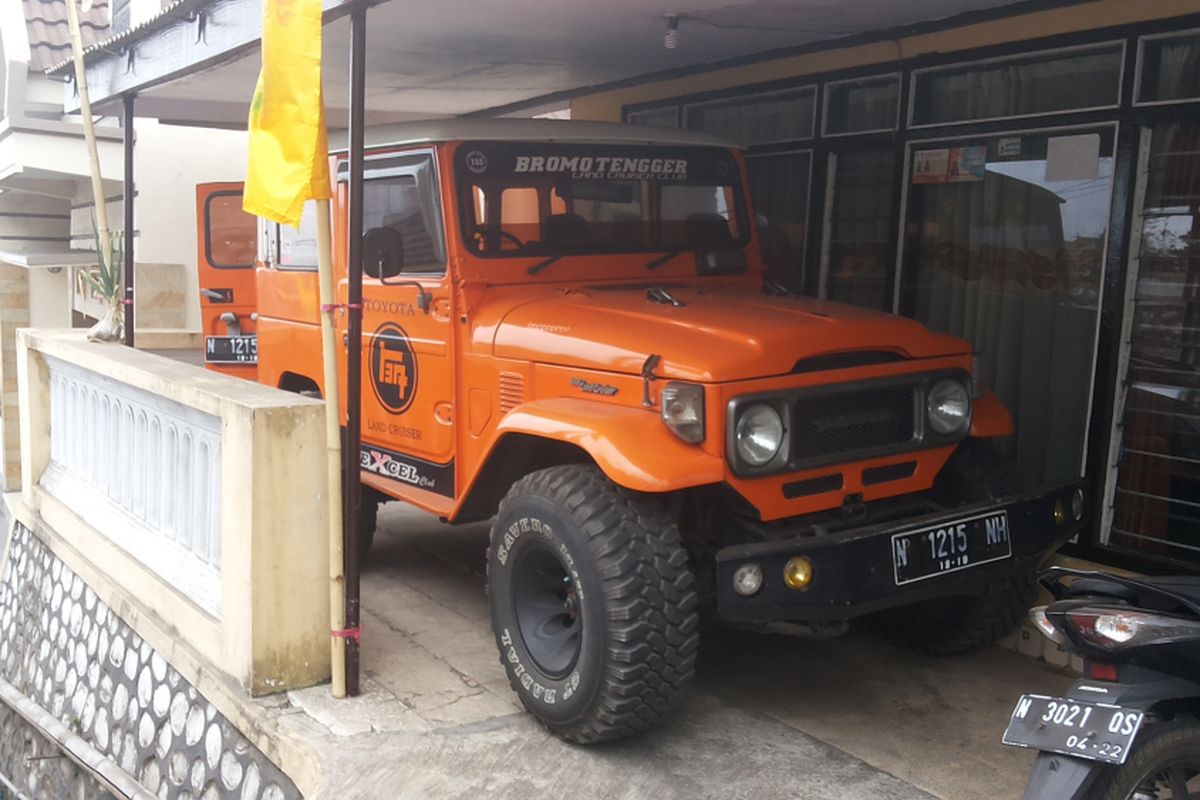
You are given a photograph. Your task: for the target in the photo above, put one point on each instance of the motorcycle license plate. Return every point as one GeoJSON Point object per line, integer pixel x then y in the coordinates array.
{"type": "Point", "coordinates": [1095, 731]}
{"type": "Point", "coordinates": [950, 547]}
{"type": "Point", "coordinates": [231, 349]}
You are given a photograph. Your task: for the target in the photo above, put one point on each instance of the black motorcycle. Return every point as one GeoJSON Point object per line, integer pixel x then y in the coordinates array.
{"type": "Point", "coordinates": [1130, 729]}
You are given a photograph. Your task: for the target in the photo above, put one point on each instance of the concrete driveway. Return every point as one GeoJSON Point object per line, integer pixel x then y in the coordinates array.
{"type": "Point", "coordinates": [768, 716]}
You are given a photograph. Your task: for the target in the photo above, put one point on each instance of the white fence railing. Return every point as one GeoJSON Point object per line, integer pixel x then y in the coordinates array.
{"type": "Point", "coordinates": [144, 470]}
{"type": "Point", "coordinates": [194, 503]}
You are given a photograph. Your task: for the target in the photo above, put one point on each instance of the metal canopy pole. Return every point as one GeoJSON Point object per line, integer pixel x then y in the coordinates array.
{"type": "Point", "coordinates": [127, 202]}
{"type": "Point", "coordinates": [352, 493]}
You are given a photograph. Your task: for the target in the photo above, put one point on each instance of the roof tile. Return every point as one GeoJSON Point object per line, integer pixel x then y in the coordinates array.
{"type": "Point", "coordinates": [49, 34]}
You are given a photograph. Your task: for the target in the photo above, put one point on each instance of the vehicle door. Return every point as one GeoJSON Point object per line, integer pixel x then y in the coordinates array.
{"type": "Point", "coordinates": [407, 381]}
{"type": "Point", "coordinates": [225, 249]}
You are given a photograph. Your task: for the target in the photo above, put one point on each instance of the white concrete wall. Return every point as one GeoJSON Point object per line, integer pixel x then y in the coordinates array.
{"type": "Point", "coordinates": [257, 608]}
{"type": "Point", "coordinates": [169, 161]}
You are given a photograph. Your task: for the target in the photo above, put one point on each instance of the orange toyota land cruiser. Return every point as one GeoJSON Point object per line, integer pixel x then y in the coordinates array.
{"type": "Point", "coordinates": [568, 329]}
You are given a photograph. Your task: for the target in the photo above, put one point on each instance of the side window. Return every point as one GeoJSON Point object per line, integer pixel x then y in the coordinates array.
{"type": "Point", "coordinates": [298, 246]}
{"type": "Point", "coordinates": [228, 232]}
{"type": "Point", "coordinates": [400, 204]}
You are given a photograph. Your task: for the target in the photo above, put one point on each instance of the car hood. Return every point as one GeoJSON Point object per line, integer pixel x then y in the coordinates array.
{"type": "Point", "coordinates": [715, 334]}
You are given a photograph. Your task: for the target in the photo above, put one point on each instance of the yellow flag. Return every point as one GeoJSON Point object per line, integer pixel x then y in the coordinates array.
{"type": "Point", "coordinates": [288, 149]}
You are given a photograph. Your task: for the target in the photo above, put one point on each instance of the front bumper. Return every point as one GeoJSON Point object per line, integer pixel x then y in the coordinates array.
{"type": "Point", "coordinates": [853, 571]}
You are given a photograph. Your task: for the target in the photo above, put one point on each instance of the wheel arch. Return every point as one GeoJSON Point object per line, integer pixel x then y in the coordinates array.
{"type": "Point", "coordinates": [514, 456]}
{"type": "Point", "coordinates": [629, 445]}
{"type": "Point", "coordinates": [295, 382]}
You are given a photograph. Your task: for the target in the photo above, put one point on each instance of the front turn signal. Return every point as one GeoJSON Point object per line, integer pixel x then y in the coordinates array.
{"type": "Point", "coordinates": [798, 573]}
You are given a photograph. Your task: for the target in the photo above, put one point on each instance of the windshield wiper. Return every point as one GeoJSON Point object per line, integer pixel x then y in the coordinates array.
{"type": "Point", "coordinates": [541, 265]}
{"type": "Point", "coordinates": [658, 262]}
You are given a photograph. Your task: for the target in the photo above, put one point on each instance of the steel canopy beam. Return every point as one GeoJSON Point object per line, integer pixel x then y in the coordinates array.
{"type": "Point", "coordinates": [127, 206]}
{"type": "Point", "coordinates": [187, 40]}
{"type": "Point", "coordinates": [352, 491]}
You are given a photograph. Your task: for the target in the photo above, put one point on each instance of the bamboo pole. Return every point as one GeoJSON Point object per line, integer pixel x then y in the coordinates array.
{"type": "Point", "coordinates": [333, 447]}
{"type": "Point", "coordinates": [89, 133]}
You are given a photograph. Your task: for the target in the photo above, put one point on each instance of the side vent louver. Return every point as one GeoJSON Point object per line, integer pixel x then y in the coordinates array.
{"type": "Point", "coordinates": [512, 390]}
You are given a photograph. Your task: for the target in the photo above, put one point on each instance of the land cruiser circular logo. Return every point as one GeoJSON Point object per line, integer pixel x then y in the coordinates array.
{"type": "Point", "coordinates": [393, 368]}
{"type": "Point", "coordinates": [476, 162]}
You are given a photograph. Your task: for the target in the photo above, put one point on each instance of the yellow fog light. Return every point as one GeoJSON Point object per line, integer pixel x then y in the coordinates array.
{"type": "Point", "coordinates": [1060, 512]}
{"type": "Point", "coordinates": [798, 573]}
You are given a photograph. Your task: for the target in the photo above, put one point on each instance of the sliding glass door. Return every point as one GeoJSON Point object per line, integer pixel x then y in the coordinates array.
{"type": "Point", "coordinates": [1004, 244]}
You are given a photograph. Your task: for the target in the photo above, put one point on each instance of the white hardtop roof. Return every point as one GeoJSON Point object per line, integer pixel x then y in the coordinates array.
{"type": "Point", "coordinates": [462, 129]}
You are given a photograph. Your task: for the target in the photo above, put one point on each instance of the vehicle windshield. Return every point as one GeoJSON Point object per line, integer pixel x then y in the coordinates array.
{"type": "Point", "coordinates": [522, 199]}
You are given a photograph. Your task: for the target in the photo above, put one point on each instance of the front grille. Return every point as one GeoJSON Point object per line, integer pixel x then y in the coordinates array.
{"type": "Point", "coordinates": [890, 472]}
{"type": "Point", "coordinates": [850, 422]}
{"type": "Point", "coordinates": [805, 488]}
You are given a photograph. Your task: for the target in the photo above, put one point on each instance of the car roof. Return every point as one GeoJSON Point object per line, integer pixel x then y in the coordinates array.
{"type": "Point", "coordinates": [477, 129]}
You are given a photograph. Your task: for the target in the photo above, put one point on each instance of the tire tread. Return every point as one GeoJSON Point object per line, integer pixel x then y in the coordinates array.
{"type": "Point", "coordinates": [649, 600]}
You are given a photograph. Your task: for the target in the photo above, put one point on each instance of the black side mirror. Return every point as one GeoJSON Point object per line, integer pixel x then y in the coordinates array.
{"type": "Point", "coordinates": [383, 253]}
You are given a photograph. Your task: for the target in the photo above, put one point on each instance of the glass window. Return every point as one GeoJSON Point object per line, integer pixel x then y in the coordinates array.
{"type": "Point", "coordinates": [1156, 505]}
{"type": "Point", "coordinates": [776, 117]}
{"type": "Point", "coordinates": [779, 187]}
{"type": "Point", "coordinates": [667, 117]}
{"type": "Point", "coordinates": [867, 105]}
{"type": "Point", "coordinates": [1018, 87]}
{"type": "Point", "coordinates": [859, 254]}
{"type": "Point", "coordinates": [298, 246]}
{"type": "Point", "coordinates": [229, 232]}
{"type": "Point", "coordinates": [1170, 69]}
{"type": "Point", "coordinates": [1005, 249]}
{"type": "Point", "coordinates": [548, 199]}
{"type": "Point", "coordinates": [399, 194]}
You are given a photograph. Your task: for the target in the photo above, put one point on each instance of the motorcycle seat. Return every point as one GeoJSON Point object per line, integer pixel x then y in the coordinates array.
{"type": "Point", "coordinates": [1185, 587]}
{"type": "Point", "coordinates": [1091, 587]}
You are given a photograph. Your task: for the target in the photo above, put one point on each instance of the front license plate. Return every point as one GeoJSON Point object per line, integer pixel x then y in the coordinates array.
{"type": "Point", "coordinates": [961, 544]}
{"type": "Point", "coordinates": [231, 349]}
{"type": "Point", "coordinates": [1095, 731]}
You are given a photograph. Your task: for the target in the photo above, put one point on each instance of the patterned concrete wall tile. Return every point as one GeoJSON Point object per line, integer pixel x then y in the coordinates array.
{"type": "Point", "coordinates": [65, 649]}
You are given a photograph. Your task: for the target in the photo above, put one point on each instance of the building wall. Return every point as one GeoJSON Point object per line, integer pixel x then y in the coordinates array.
{"type": "Point", "coordinates": [607, 105]}
{"type": "Point", "coordinates": [169, 160]}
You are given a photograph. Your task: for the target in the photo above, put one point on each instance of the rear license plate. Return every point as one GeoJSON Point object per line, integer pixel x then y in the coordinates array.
{"type": "Point", "coordinates": [940, 549]}
{"type": "Point", "coordinates": [231, 349]}
{"type": "Point", "coordinates": [1095, 731]}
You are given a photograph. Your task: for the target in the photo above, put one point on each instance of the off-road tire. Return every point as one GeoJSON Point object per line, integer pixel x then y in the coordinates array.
{"type": "Point", "coordinates": [631, 593]}
{"type": "Point", "coordinates": [1158, 746]}
{"type": "Point", "coordinates": [957, 624]}
{"type": "Point", "coordinates": [951, 626]}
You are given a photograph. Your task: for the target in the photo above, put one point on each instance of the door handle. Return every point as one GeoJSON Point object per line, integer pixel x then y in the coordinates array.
{"type": "Point", "coordinates": [218, 295]}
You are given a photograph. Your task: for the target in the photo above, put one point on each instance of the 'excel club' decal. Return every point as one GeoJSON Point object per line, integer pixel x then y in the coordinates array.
{"type": "Point", "coordinates": [393, 368]}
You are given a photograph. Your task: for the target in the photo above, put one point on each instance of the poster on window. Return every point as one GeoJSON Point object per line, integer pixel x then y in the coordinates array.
{"type": "Point", "coordinates": [929, 166]}
{"type": "Point", "coordinates": [966, 164]}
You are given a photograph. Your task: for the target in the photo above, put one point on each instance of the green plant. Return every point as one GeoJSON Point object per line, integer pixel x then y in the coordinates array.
{"type": "Point", "coordinates": [105, 278]}
{"type": "Point", "coordinates": [105, 281]}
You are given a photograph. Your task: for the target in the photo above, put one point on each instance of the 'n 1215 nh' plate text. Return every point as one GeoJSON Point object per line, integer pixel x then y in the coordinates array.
{"type": "Point", "coordinates": [951, 546]}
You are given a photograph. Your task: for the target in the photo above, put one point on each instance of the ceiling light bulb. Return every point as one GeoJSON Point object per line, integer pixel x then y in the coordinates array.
{"type": "Point", "coordinates": [671, 39]}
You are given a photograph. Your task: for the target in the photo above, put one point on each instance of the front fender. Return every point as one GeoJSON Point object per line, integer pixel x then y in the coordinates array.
{"type": "Point", "coordinates": [989, 417]}
{"type": "Point", "coordinates": [631, 445]}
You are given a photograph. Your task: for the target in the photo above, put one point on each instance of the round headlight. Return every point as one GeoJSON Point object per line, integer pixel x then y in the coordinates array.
{"type": "Point", "coordinates": [759, 434]}
{"type": "Point", "coordinates": [949, 407]}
